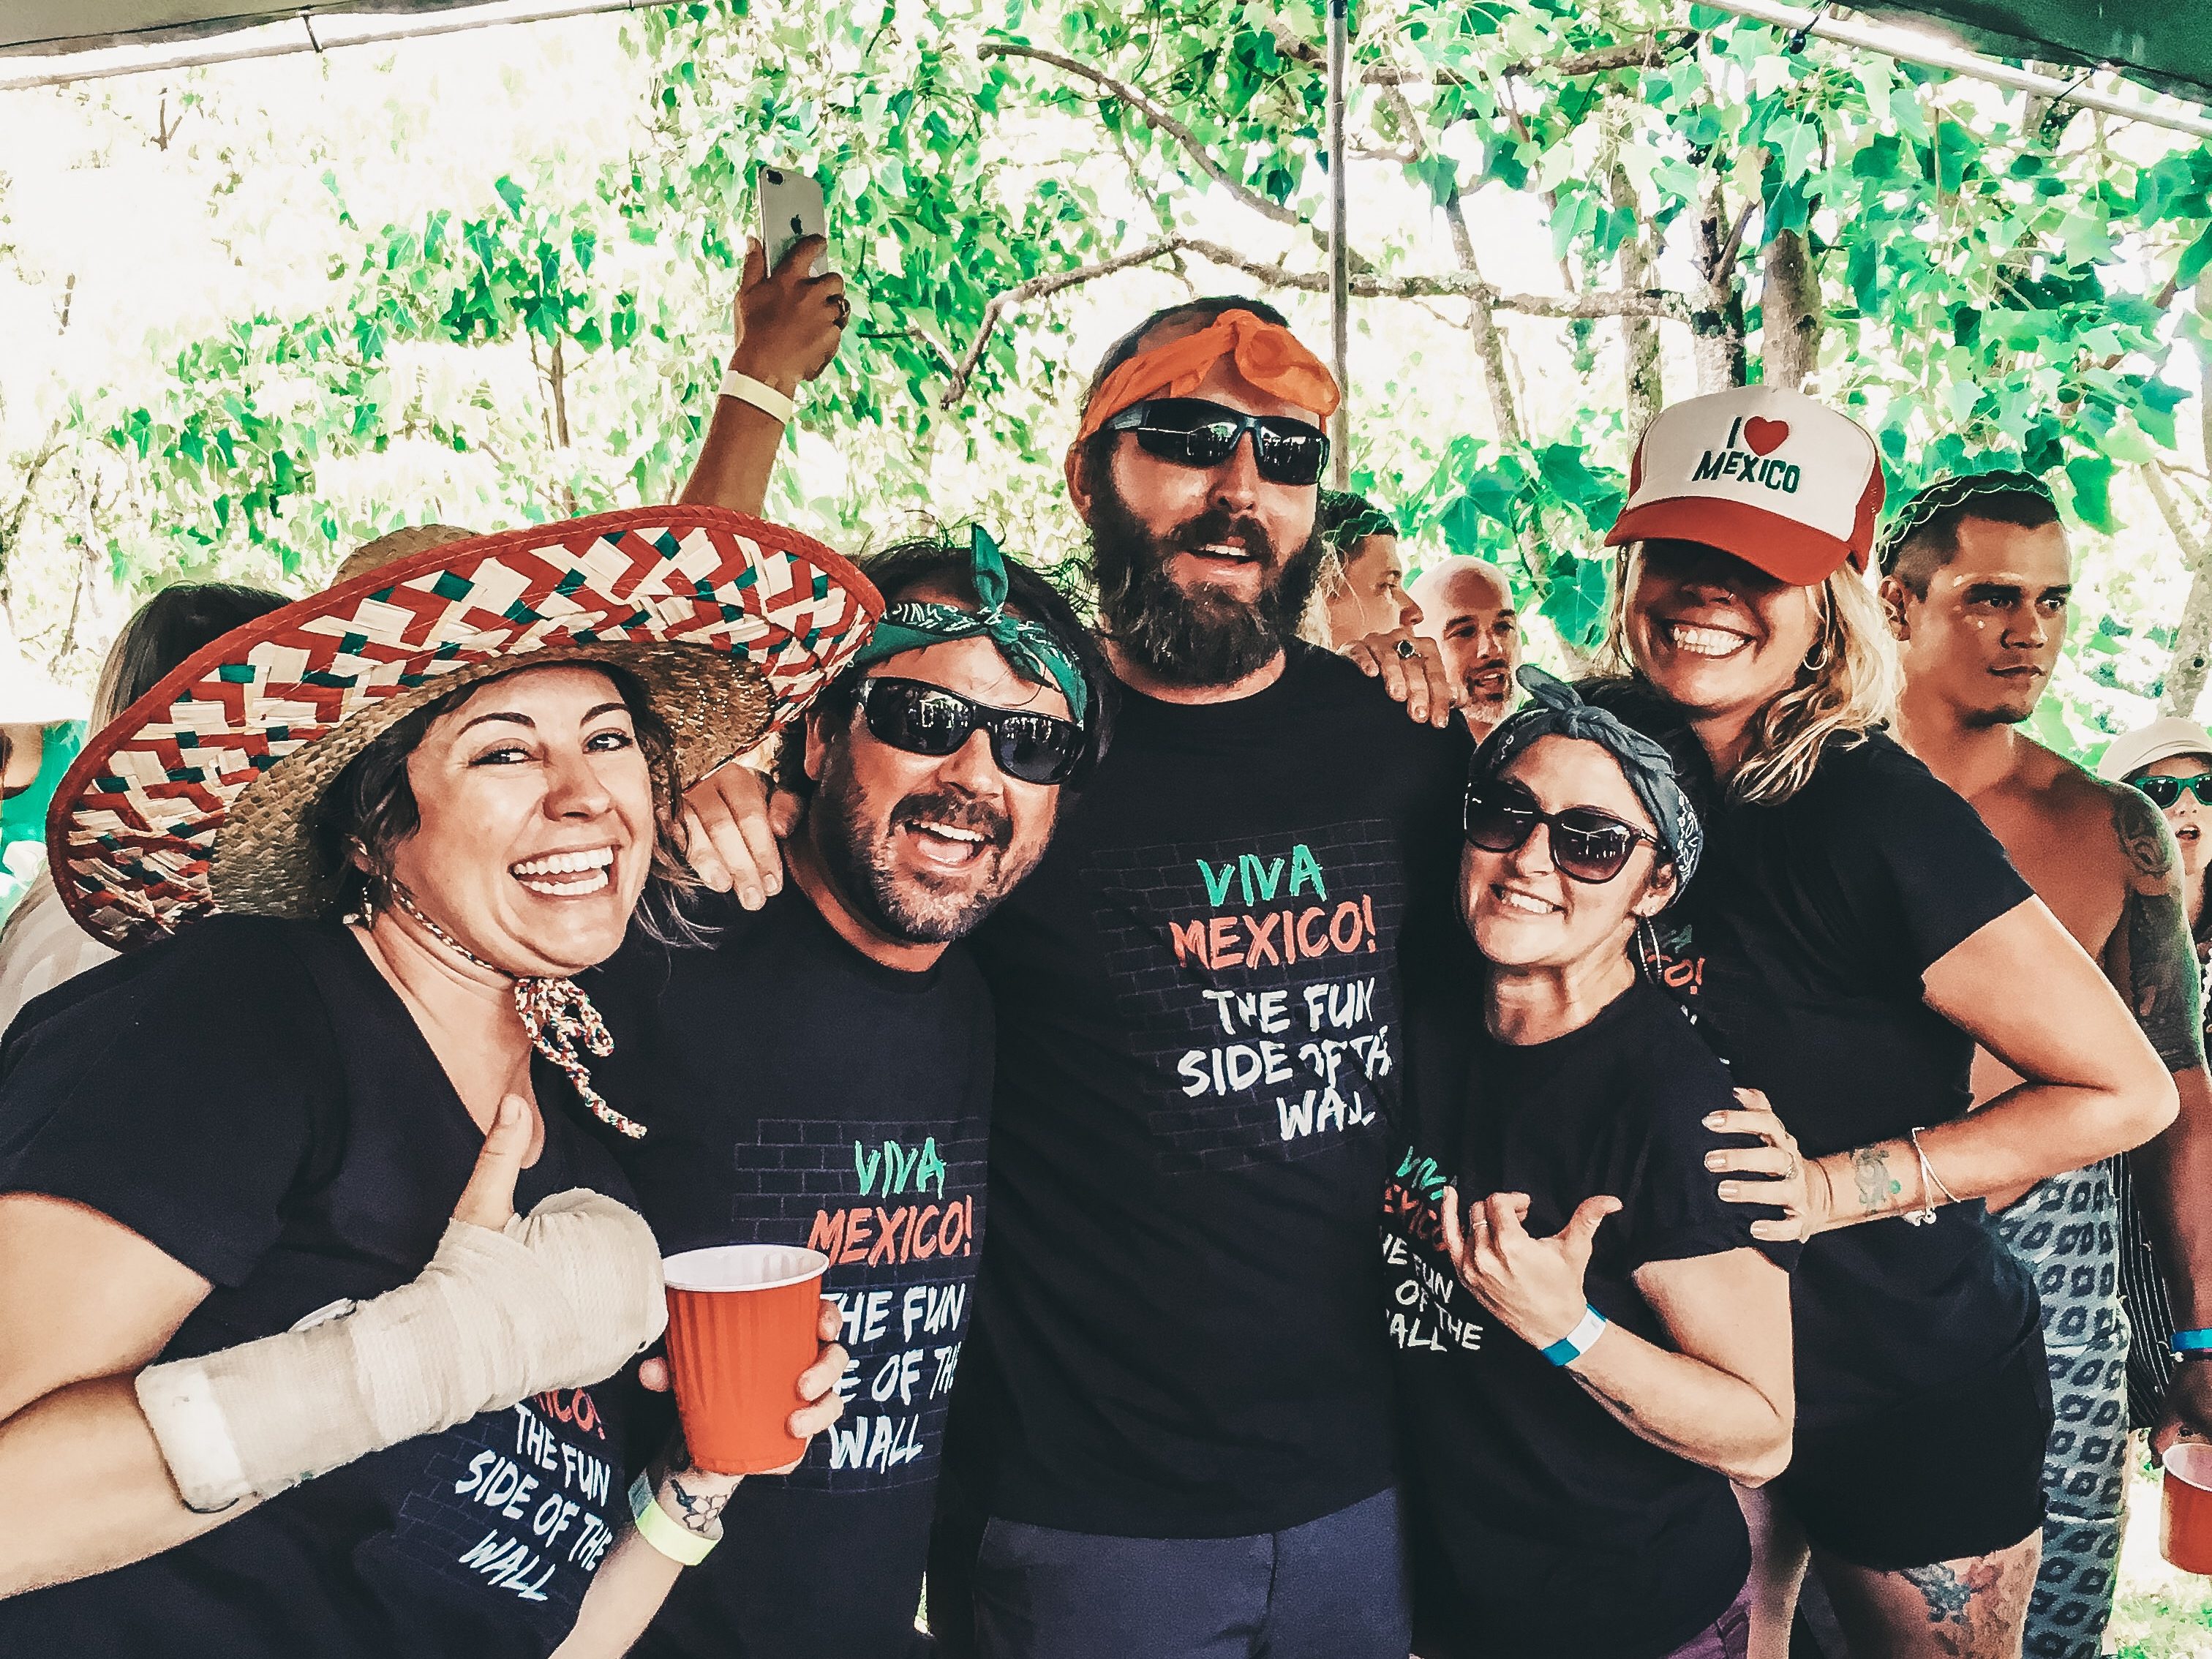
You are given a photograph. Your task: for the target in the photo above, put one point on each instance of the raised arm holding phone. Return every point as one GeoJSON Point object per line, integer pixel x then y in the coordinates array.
{"type": "Point", "coordinates": [788, 326]}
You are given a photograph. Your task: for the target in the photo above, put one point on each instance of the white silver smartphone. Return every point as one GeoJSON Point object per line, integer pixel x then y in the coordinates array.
{"type": "Point", "coordinates": [791, 207]}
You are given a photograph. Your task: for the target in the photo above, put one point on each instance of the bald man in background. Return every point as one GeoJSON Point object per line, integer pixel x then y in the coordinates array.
{"type": "Point", "coordinates": [1467, 608]}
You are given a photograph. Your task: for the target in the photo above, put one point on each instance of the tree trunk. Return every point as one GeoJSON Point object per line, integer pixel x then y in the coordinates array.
{"type": "Point", "coordinates": [1481, 319]}
{"type": "Point", "coordinates": [1717, 314]}
{"type": "Point", "coordinates": [1789, 313]}
{"type": "Point", "coordinates": [1639, 335]}
{"type": "Point", "coordinates": [2185, 671]}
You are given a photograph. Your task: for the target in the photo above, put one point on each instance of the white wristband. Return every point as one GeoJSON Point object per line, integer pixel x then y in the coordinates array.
{"type": "Point", "coordinates": [1577, 1342]}
{"type": "Point", "coordinates": [761, 395]}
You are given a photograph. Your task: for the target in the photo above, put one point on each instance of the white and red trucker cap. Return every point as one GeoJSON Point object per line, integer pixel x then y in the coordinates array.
{"type": "Point", "coordinates": [1774, 477]}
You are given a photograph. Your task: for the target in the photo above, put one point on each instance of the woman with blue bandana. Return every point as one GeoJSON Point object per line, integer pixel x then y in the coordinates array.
{"type": "Point", "coordinates": [1591, 1345]}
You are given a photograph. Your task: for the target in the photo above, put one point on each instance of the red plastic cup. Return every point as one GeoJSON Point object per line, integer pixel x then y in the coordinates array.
{"type": "Point", "coordinates": [742, 1325]}
{"type": "Point", "coordinates": [2184, 1526]}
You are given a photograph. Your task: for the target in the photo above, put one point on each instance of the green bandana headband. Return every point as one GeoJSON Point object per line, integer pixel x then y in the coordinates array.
{"type": "Point", "coordinates": [1034, 652]}
{"type": "Point", "coordinates": [1346, 520]}
{"type": "Point", "coordinates": [1953, 490]}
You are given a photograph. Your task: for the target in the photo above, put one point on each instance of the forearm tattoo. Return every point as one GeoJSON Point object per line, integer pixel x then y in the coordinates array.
{"type": "Point", "coordinates": [699, 1511]}
{"type": "Point", "coordinates": [2151, 961]}
{"type": "Point", "coordinates": [1876, 1186]}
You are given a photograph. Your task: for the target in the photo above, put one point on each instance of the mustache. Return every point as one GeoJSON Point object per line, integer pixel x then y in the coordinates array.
{"type": "Point", "coordinates": [1217, 525]}
{"type": "Point", "coordinates": [959, 810]}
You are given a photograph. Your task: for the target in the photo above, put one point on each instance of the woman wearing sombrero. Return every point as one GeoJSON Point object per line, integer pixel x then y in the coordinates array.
{"type": "Point", "coordinates": [282, 1370]}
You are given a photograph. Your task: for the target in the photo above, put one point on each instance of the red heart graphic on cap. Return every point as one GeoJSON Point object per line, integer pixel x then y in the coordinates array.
{"type": "Point", "coordinates": [1764, 436]}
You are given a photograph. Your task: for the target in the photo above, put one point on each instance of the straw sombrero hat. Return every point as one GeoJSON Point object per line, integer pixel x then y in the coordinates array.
{"type": "Point", "coordinates": [201, 795]}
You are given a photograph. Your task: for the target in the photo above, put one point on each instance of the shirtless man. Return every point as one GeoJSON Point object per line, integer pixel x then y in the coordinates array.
{"type": "Point", "coordinates": [1467, 608]}
{"type": "Point", "coordinates": [1976, 577]}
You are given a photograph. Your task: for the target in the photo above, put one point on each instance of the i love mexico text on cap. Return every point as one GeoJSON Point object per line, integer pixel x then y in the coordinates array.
{"type": "Point", "coordinates": [1781, 481]}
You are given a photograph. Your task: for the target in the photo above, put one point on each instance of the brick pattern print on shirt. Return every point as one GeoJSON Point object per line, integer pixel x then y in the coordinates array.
{"type": "Point", "coordinates": [527, 1500]}
{"type": "Point", "coordinates": [1256, 979]}
{"type": "Point", "coordinates": [900, 1215]}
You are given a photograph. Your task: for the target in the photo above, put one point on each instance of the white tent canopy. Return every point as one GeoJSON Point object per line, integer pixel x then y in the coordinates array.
{"type": "Point", "coordinates": [57, 26]}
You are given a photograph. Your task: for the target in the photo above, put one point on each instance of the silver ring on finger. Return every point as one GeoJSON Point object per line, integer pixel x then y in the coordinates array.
{"type": "Point", "coordinates": [1407, 650]}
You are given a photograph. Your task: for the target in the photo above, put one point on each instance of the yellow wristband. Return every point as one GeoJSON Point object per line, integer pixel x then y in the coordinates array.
{"type": "Point", "coordinates": [659, 1528]}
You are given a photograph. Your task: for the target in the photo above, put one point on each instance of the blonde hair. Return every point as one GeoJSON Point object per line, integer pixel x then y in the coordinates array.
{"type": "Point", "coordinates": [1846, 688]}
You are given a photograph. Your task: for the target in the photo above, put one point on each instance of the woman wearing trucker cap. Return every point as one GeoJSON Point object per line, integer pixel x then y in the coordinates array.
{"type": "Point", "coordinates": [1854, 932]}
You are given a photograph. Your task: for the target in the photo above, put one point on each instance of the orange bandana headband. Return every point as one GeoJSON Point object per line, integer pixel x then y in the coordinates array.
{"type": "Point", "coordinates": [1266, 354]}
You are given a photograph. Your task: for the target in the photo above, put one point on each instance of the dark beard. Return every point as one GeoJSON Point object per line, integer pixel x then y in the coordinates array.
{"type": "Point", "coordinates": [1205, 637]}
{"type": "Point", "coordinates": [908, 911]}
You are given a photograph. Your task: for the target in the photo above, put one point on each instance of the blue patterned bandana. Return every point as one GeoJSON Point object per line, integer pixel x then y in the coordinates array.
{"type": "Point", "coordinates": [1034, 652]}
{"type": "Point", "coordinates": [1557, 710]}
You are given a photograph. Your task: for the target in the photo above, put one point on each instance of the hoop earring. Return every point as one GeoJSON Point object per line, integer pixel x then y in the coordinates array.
{"type": "Point", "coordinates": [1819, 657]}
{"type": "Point", "coordinates": [1649, 958]}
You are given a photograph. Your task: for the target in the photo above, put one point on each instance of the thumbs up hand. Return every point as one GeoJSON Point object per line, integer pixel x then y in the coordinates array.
{"type": "Point", "coordinates": [1532, 1287]}
{"type": "Point", "coordinates": [489, 1199]}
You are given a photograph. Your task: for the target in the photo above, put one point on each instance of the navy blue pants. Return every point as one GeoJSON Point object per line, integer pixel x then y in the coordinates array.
{"type": "Point", "coordinates": [1332, 1589]}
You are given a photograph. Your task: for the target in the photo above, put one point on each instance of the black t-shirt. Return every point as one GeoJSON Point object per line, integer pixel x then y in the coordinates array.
{"type": "Point", "coordinates": [1538, 1524]}
{"type": "Point", "coordinates": [1198, 996]}
{"type": "Point", "coordinates": [1800, 946]}
{"type": "Point", "coordinates": [797, 1093]}
{"type": "Point", "coordinates": [254, 1097]}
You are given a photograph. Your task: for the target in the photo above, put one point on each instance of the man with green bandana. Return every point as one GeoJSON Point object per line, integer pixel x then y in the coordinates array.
{"type": "Point", "coordinates": [818, 1071]}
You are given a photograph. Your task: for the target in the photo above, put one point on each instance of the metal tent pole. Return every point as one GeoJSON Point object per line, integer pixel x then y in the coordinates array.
{"type": "Point", "coordinates": [1919, 49]}
{"type": "Point", "coordinates": [1340, 248]}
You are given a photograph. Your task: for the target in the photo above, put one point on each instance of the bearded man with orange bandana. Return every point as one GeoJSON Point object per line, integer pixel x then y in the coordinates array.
{"type": "Point", "coordinates": [1175, 1411]}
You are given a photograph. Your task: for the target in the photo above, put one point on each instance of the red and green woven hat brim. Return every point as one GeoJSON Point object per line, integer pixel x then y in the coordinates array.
{"type": "Point", "coordinates": [201, 795]}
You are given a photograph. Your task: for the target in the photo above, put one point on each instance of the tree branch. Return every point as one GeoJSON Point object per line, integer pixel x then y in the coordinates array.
{"type": "Point", "coordinates": [1157, 113]}
{"type": "Point", "coordinates": [1481, 316]}
{"type": "Point", "coordinates": [1661, 303]}
{"type": "Point", "coordinates": [46, 451]}
{"type": "Point", "coordinates": [2192, 639]}
{"type": "Point", "coordinates": [1640, 51]}
{"type": "Point", "coordinates": [1036, 288]}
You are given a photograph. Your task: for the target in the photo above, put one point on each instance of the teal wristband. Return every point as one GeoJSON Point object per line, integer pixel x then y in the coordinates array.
{"type": "Point", "coordinates": [2186, 1344]}
{"type": "Point", "coordinates": [1577, 1342]}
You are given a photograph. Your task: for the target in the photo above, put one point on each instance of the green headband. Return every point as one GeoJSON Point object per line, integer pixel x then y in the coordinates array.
{"type": "Point", "coordinates": [1951, 490]}
{"type": "Point", "coordinates": [1033, 652]}
{"type": "Point", "coordinates": [1347, 519]}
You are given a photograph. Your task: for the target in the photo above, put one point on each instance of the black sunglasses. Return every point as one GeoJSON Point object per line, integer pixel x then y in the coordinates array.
{"type": "Point", "coordinates": [2164, 792]}
{"type": "Point", "coordinates": [922, 719]}
{"type": "Point", "coordinates": [1193, 432]}
{"type": "Point", "coordinates": [1587, 845]}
